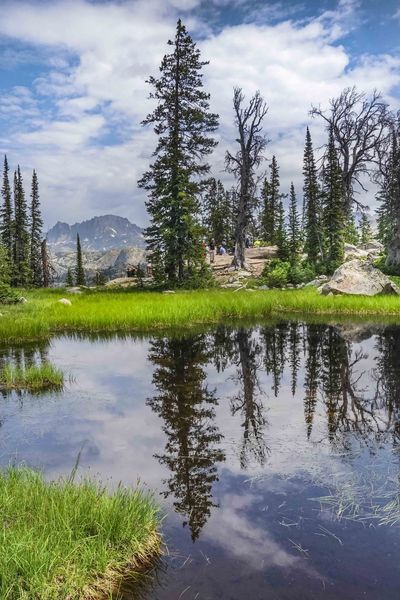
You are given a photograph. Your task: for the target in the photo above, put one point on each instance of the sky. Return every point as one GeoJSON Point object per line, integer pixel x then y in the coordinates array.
{"type": "Point", "coordinates": [73, 88]}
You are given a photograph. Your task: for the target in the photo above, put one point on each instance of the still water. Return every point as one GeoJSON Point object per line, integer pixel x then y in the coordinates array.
{"type": "Point", "coordinates": [274, 451]}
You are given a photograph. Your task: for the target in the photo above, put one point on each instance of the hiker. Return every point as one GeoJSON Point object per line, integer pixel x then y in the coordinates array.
{"type": "Point", "coordinates": [211, 247]}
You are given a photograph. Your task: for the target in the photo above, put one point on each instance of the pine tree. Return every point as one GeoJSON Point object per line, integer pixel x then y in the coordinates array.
{"type": "Point", "coordinates": [350, 234]}
{"type": "Point", "coordinates": [182, 121]}
{"type": "Point", "coordinates": [6, 213]}
{"type": "Point", "coordinates": [79, 271]}
{"type": "Point", "coordinates": [334, 218]}
{"type": "Point", "coordinates": [312, 205]}
{"type": "Point", "coordinates": [36, 234]}
{"type": "Point", "coordinates": [70, 278]}
{"type": "Point", "coordinates": [294, 237]}
{"type": "Point", "coordinates": [21, 258]}
{"type": "Point", "coordinates": [388, 217]}
{"type": "Point", "coordinates": [217, 212]}
{"type": "Point", "coordinates": [271, 198]}
{"type": "Point", "coordinates": [281, 240]}
{"type": "Point", "coordinates": [365, 229]}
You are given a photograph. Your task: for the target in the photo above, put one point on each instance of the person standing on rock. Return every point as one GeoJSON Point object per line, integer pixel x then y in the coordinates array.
{"type": "Point", "coordinates": [211, 247]}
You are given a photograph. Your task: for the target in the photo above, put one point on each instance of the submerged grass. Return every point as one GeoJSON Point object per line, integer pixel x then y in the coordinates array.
{"type": "Point", "coordinates": [33, 378]}
{"type": "Point", "coordinates": [64, 540]}
{"type": "Point", "coordinates": [42, 316]}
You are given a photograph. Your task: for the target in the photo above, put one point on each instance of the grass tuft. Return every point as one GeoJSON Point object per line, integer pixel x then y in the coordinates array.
{"type": "Point", "coordinates": [34, 378]}
{"type": "Point", "coordinates": [64, 540]}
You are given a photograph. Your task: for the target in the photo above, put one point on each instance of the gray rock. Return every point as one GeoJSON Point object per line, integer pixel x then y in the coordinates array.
{"type": "Point", "coordinates": [373, 246]}
{"type": "Point", "coordinates": [64, 301]}
{"type": "Point", "coordinates": [74, 290]}
{"type": "Point", "coordinates": [235, 284]}
{"type": "Point", "coordinates": [359, 277]}
{"type": "Point", "coordinates": [168, 292]}
{"type": "Point", "coordinates": [317, 281]}
{"type": "Point", "coordinates": [22, 300]}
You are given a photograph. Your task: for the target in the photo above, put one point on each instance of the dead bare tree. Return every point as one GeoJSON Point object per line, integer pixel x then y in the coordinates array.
{"type": "Point", "coordinates": [359, 124]}
{"type": "Point", "coordinates": [244, 163]}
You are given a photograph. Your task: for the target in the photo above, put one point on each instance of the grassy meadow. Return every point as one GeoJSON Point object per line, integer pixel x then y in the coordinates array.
{"type": "Point", "coordinates": [64, 540]}
{"type": "Point", "coordinates": [126, 310]}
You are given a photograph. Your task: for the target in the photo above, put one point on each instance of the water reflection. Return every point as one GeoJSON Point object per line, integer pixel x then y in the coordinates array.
{"type": "Point", "coordinates": [239, 429]}
{"type": "Point", "coordinates": [357, 399]}
{"type": "Point", "coordinates": [187, 408]}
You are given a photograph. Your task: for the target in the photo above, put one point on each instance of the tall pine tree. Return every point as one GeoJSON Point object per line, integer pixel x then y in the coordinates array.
{"type": "Point", "coordinates": [79, 270]}
{"type": "Point", "coordinates": [217, 212]}
{"type": "Point", "coordinates": [183, 122]}
{"type": "Point", "coordinates": [6, 213]}
{"type": "Point", "coordinates": [294, 228]}
{"type": "Point", "coordinates": [334, 208]}
{"type": "Point", "coordinates": [271, 198]}
{"type": "Point", "coordinates": [36, 234]}
{"type": "Point", "coordinates": [21, 246]}
{"type": "Point", "coordinates": [312, 205]}
{"type": "Point", "coordinates": [281, 234]}
{"type": "Point", "coordinates": [366, 233]}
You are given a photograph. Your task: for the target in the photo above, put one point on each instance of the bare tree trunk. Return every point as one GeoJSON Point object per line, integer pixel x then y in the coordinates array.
{"type": "Point", "coordinates": [243, 164]}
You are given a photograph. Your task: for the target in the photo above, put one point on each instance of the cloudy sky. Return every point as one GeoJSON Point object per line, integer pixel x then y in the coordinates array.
{"type": "Point", "coordinates": [73, 90]}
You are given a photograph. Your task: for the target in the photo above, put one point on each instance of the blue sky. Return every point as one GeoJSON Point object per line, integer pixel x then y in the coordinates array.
{"type": "Point", "coordinates": [73, 91]}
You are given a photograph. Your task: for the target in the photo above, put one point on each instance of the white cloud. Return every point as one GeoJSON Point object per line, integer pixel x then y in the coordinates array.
{"type": "Point", "coordinates": [94, 89]}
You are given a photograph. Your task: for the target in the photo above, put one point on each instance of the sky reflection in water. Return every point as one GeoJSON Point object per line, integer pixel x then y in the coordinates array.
{"type": "Point", "coordinates": [240, 431]}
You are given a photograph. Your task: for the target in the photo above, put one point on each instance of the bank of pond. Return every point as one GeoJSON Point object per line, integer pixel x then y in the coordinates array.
{"type": "Point", "coordinates": [65, 539]}
{"type": "Point", "coordinates": [125, 310]}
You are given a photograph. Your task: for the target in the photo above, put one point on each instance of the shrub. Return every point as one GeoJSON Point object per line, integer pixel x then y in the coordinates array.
{"type": "Point", "coordinates": [380, 264]}
{"type": "Point", "coordinates": [278, 273]}
{"type": "Point", "coordinates": [8, 295]}
{"type": "Point", "coordinates": [301, 273]}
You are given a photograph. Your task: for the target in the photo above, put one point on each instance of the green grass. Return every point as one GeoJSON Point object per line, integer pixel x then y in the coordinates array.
{"type": "Point", "coordinates": [66, 540]}
{"type": "Point", "coordinates": [33, 378]}
{"type": "Point", "coordinates": [129, 310]}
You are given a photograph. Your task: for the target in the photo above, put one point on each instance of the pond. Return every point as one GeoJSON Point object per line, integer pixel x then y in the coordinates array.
{"type": "Point", "coordinates": [274, 451]}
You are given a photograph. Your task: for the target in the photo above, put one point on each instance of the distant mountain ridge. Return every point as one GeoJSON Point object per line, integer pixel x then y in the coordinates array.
{"type": "Point", "coordinates": [101, 233]}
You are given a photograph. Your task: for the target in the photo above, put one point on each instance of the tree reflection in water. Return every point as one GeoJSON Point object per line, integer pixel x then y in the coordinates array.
{"type": "Point", "coordinates": [187, 408]}
{"type": "Point", "coordinates": [357, 399]}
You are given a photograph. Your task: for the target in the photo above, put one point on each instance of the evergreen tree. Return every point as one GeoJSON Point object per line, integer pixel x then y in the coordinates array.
{"type": "Point", "coordinates": [70, 278]}
{"type": "Point", "coordinates": [6, 213]}
{"type": "Point", "coordinates": [350, 233]}
{"type": "Point", "coordinates": [281, 240]}
{"type": "Point", "coordinates": [21, 248]}
{"type": "Point", "coordinates": [294, 237]}
{"type": "Point", "coordinates": [365, 229]}
{"type": "Point", "coordinates": [333, 208]}
{"type": "Point", "coordinates": [79, 271]}
{"type": "Point", "coordinates": [388, 213]}
{"type": "Point", "coordinates": [271, 198]}
{"type": "Point", "coordinates": [182, 122]}
{"type": "Point", "coordinates": [217, 213]}
{"type": "Point", "coordinates": [36, 234]}
{"type": "Point", "coordinates": [312, 205]}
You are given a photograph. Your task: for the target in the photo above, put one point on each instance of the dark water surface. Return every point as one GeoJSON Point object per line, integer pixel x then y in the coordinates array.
{"type": "Point", "coordinates": [274, 450]}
